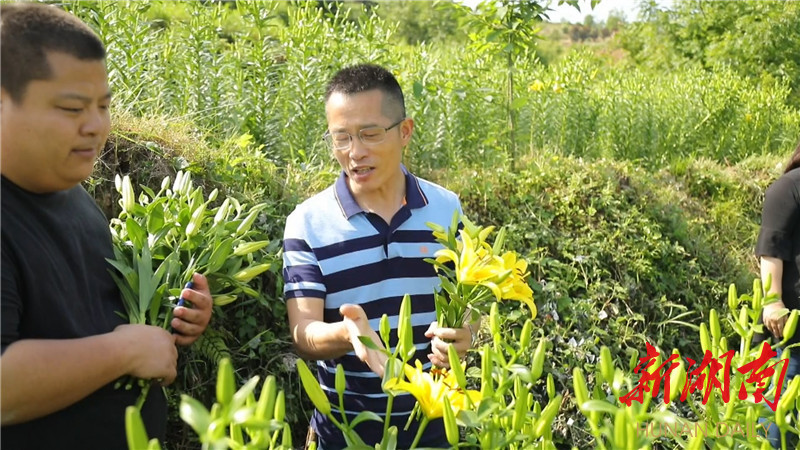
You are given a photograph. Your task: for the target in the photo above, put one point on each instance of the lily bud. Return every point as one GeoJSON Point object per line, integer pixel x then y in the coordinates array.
{"type": "Point", "coordinates": [266, 401]}
{"type": "Point", "coordinates": [606, 364]}
{"type": "Point", "coordinates": [579, 384]}
{"type": "Point", "coordinates": [733, 299]}
{"type": "Point", "coordinates": [537, 365]}
{"type": "Point", "coordinates": [226, 385]}
{"type": "Point", "coordinates": [790, 327]}
{"type": "Point", "coordinates": [705, 340]}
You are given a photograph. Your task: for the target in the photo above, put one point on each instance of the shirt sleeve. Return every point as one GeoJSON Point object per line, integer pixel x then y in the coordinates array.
{"type": "Point", "coordinates": [11, 301]}
{"type": "Point", "coordinates": [779, 219]}
{"type": "Point", "coordinates": [302, 276]}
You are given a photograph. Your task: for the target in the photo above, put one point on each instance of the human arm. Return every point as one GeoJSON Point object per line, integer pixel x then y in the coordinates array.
{"type": "Point", "coordinates": [773, 313]}
{"type": "Point", "coordinates": [190, 323]}
{"type": "Point", "coordinates": [315, 339]}
{"type": "Point", "coordinates": [39, 377]}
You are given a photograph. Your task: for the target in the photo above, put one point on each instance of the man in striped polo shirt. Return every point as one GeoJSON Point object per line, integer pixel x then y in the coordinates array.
{"type": "Point", "coordinates": [353, 251]}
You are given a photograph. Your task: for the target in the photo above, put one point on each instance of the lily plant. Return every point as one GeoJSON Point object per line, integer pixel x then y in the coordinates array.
{"type": "Point", "coordinates": [237, 420]}
{"type": "Point", "coordinates": [503, 413]}
{"type": "Point", "coordinates": [161, 238]}
{"type": "Point", "coordinates": [742, 410]}
{"type": "Point", "coordinates": [475, 272]}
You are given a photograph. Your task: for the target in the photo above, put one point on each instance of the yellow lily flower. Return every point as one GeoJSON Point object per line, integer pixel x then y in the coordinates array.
{"type": "Point", "coordinates": [473, 265]}
{"type": "Point", "coordinates": [458, 398]}
{"type": "Point", "coordinates": [422, 386]}
{"type": "Point", "coordinates": [430, 389]}
{"type": "Point", "coordinates": [515, 287]}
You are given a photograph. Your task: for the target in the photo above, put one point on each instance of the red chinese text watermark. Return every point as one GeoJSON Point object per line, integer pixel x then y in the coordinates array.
{"type": "Point", "coordinates": [703, 376]}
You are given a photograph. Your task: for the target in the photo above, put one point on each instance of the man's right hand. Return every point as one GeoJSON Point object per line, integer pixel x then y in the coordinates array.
{"type": "Point", "coordinates": [153, 355]}
{"type": "Point", "coordinates": [357, 324]}
{"type": "Point", "coordinates": [775, 315]}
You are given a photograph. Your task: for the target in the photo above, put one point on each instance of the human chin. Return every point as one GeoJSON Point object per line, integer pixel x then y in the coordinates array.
{"type": "Point", "coordinates": [80, 169]}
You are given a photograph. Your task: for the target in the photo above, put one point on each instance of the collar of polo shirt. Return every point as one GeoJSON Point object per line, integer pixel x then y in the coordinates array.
{"type": "Point", "coordinates": [414, 197]}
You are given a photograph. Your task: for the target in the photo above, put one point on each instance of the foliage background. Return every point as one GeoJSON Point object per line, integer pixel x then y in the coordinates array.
{"type": "Point", "coordinates": [629, 161]}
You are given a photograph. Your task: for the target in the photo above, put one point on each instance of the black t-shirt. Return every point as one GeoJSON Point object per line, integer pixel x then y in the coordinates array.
{"type": "Point", "coordinates": [780, 232]}
{"type": "Point", "coordinates": [56, 285]}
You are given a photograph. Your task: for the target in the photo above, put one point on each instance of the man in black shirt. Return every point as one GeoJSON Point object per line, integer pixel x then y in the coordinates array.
{"type": "Point", "coordinates": [63, 345]}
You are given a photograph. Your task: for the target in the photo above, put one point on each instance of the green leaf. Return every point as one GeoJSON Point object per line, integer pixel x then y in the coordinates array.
{"type": "Point", "coordinates": [364, 416]}
{"type": "Point", "coordinates": [155, 305]}
{"type": "Point", "coordinates": [494, 35]}
{"type": "Point", "coordinates": [129, 299]}
{"type": "Point", "coordinates": [389, 441]}
{"type": "Point", "coordinates": [369, 343]}
{"type": "Point", "coordinates": [599, 406]}
{"type": "Point", "coordinates": [469, 418]}
{"type": "Point", "coordinates": [485, 411]}
{"type": "Point", "coordinates": [136, 233]}
{"type": "Point", "coordinates": [240, 397]}
{"type": "Point", "coordinates": [219, 256]}
{"type": "Point", "coordinates": [354, 441]}
{"type": "Point", "coordinates": [195, 414]}
{"type": "Point", "coordinates": [155, 216]}
{"type": "Point", "coordinates": [144, 264]}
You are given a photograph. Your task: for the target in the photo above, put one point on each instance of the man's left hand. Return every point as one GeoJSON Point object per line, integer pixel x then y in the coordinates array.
{"type": "Point", "coordinates": [441, 338]}
{"type": "Point", "coordinates": [190, 323]}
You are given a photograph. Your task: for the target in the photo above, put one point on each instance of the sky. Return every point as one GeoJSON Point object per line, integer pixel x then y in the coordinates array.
{"type": "Point", "coordinates": [567, 13]}
{"type": "Point", "coordinates": [629, 8]}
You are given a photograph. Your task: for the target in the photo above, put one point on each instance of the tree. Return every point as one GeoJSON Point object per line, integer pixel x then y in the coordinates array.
{"type": "Point", "coordinates": [759, 40]}
{"type": "Point", "coordinates": [423, 21]}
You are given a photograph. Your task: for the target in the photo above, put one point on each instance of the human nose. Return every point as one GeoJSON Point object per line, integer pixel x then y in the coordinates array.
{"type": "Point", "coordinates": [357, 149]}
{"type": "Point", "coordinates": [97, 121]}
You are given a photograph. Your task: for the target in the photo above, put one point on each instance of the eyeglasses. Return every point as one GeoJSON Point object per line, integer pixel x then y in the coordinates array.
{"type": "Point", "coordinates": [341, 140]}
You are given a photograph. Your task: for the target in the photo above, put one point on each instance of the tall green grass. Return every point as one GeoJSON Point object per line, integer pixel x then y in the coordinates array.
{"type": "Point", "coordinates": [260, 68]}
{"type": "Point", "coordinates": [587, 108]}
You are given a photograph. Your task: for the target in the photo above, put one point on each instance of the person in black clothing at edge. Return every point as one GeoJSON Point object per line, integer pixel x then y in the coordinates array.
{"type": "Point", "coordinates": [63, 345]}
{"type": "Point", "coordinates": [778, 248]}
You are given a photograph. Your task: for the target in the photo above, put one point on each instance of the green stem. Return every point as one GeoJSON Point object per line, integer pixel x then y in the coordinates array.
{"type": "Point", "coordinates": [341, 409]}
{"type": "Point", "coordinates": [745, 350]}
{"type": "Point", "coordinates": [143, 396]}
{"type": "Point", "coordinates": [419, 431]}
{"type": "Point", "coordinates": [274, 440]}
{"type": "Point", "coordinates": [598, 435]}
{"type": "Point", "coordinates": [389, 402]}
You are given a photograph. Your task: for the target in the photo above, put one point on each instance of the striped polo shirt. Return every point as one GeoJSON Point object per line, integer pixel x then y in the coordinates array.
{"type": "Point", "coordinates": [338, 252]}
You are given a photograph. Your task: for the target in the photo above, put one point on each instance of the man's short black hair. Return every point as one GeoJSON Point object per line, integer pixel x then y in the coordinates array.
{"type": "Point", "coordinates": [366, 77]}
{"type": "Point", "coordinates": [28, 31]}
